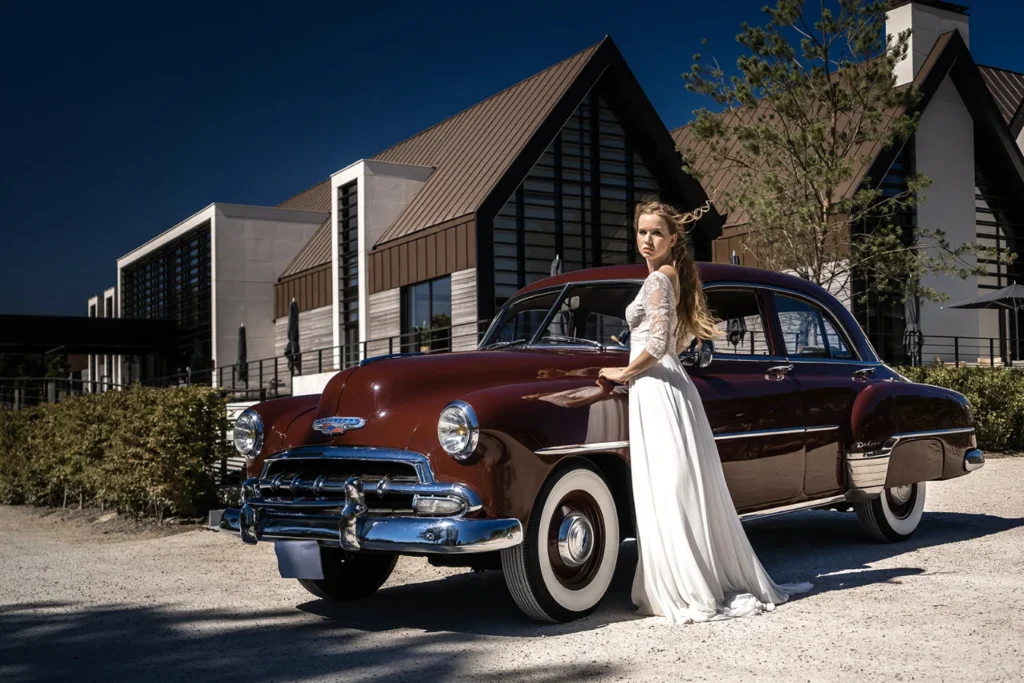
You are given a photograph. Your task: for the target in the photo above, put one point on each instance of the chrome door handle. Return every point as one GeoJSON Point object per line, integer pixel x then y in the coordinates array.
{"type": "Point", "coordinates": [863, 374]}
{"type": "Point", "coordinates": [777, 373]}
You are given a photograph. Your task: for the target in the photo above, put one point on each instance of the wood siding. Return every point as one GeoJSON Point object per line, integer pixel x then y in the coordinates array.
{"type": "Point", "coordinates": [314, 331]}
{"type": "Point", "coordinates": [447, 249]}
{"type": "Point", "coordinates": [464, 316]}
{"type": "Point", "coordinates": [311, 289]}
{"type": "Point", "coordinates": [384, 322]}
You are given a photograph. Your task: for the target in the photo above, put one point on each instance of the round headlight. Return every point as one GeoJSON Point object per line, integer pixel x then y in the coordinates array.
{"type": "Point", "coordinates": [458, 430]}
{"type": "Point", "coordinates": [249, 433]}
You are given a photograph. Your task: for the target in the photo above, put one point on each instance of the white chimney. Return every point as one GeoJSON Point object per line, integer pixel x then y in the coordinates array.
{"type": "Point", "coordinates": [927, 20]}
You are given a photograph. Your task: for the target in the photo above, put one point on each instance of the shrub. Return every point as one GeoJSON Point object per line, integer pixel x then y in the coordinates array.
{"type": "Point", "coordinates": [141, 451]}
{"type": "Point", "coordinates": [996, 394]}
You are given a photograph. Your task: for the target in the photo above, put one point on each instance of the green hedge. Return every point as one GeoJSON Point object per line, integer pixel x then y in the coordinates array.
{"type": "Point", "coordinates": [996, 394]}
{"type": "Point", "coordinates": [141, 451]}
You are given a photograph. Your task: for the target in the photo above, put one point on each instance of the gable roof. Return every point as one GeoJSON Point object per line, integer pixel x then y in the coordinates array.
{"type": "Point", "coordinates": [316, 198]}
{"type": "Point", "coordinates": [1007, 88]}
{"type": "Point", "coordinates": [315, 252]}
{"type": "Point", "coordinates": [470, 151]}
{"type": "Point", "coordinates": [949, 56]}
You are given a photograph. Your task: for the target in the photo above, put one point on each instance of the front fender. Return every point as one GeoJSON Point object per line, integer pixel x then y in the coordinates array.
{"type": "Point", "coordinates": [518, 420]}
{"type": "Point", "coordinates": [287, 422]}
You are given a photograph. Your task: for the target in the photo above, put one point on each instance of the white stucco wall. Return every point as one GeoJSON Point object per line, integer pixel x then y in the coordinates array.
{"type": "Point", "coordinates": [945, 153]}
{"type": "Point", "coordinates": [251, 246]}
{"type": "Point", "coordinates": [926, 25]}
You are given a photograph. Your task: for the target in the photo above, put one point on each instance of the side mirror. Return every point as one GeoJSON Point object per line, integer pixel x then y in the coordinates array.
{"type": "Point", "coordinates": [701, 357]}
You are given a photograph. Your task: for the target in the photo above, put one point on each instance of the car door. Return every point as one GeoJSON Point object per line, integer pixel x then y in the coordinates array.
{"type": "Point", "coordinates": [752, 403]}
{"type": "Point", "coordinates": [830, 376]}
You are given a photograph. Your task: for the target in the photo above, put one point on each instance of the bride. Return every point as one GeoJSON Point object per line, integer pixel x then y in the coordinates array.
{"type": "Point", "coordinates": [696, 563]}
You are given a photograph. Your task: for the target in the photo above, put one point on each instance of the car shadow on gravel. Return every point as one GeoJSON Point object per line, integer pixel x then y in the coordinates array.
{"type": "Point", "coordinates": [64, 641]}
{"type": "Point", "coordinates": [823, 547]}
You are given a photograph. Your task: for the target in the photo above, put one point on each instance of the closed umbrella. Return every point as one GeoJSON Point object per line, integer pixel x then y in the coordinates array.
{"type": "Point", "coordinates": [557, 326]}
{"type": "Point", "coordinates": [912, 339]}
{"type": "Point", "coordinates": [242, 362]}
{"type": "Point", "coordinates": [735, 328]}
{"type": "Point", "coordinates": [1010, 298]}
{"type": "Point", "coordinates": [291, 351]}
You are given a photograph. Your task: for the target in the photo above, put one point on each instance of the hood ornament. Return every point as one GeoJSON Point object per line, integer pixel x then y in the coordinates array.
{"type": "Point", "coordinates": [335, 426]}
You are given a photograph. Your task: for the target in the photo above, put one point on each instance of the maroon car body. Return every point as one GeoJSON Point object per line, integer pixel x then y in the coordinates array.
{"type": "Point", "coordinates": [797, 425]}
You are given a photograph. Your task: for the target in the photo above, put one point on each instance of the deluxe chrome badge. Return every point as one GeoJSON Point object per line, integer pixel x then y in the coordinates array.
{"type": "Point", "coordinates": [333, 426]}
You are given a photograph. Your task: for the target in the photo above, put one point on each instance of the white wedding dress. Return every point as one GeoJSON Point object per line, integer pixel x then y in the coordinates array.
{"type": "Point", "coordinates": [696, 563]}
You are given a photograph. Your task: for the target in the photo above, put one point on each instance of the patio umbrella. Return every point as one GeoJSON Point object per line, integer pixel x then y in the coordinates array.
{"type": "Point", "coordinates": [735, 328]}
{"type": "Point", "coordinates": [912, 339]}
{"type": "Point", "coordinates": [556, 265]}
{"type": "Point", "coordinates": [242, 362]}
{"type": "Point", "coordinates": [557, 326]}
{"type": "Point", "coordinates": [1010, 298]}
{"type": "Point", "coordinates": [291, 351]}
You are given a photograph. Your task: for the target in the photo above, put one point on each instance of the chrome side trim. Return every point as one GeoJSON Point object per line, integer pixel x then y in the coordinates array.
{"type": "Point", "coordinates": [821, 428]}
{"type": "Point", "coordinates": [795, 507]}
{"type": "Point", "coordinates": [934, 432]}
{"type": "Point", "coordinates": [729, 436]}
{"type": "Point", "coordinates": [575, 449]}
{"type": "Point", "coordinates": [419, 462]}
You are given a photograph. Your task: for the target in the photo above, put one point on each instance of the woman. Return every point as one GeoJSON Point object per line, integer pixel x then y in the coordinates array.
{"type": "Point", "coordinates": [696, 563]}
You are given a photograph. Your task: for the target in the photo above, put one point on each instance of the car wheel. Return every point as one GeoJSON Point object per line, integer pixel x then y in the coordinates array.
{"type": "Point", "coordinates": [350, 576]}
{"type": "Point", "coordinates": [567, 558]}
{"type": "Point", "coordinates": [894, 515]}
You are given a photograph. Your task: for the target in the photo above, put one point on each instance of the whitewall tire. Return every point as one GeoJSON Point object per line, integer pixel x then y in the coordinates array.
{"type": "Point", "coordinates": [895, 515]}
{"type": "Point", "coordinates": [564, 565]}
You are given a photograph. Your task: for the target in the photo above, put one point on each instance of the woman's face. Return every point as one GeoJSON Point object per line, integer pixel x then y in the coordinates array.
{"type": "Point", "coordinates": [654, 241]}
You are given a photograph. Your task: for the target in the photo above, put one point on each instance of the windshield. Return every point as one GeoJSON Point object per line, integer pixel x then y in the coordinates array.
{"type": "Point", "coordinates": [584, 315]}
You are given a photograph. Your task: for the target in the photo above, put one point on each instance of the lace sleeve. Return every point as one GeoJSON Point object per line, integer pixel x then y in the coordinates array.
{"type": "Point", "coordinates": [659, 300]}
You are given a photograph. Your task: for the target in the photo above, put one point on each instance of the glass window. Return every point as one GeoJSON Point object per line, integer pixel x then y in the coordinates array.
{"type": "Point", "coordinates": [594, 313]}
{"type": "Point", "coordinates": [427, 315]}
{"type": "Point", "coordinates": [520, 319]}
{"type": "Point", "coordinates": [742, 327]}
{"type": "Point", "coordinates": [808, 332]}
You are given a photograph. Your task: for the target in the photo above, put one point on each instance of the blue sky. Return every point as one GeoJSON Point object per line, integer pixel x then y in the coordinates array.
{"type": "Point", "coordinates": [121, 119]}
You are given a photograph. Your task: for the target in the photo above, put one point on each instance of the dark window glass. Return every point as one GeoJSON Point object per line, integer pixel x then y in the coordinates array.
{"type": "Point", "coordinates": [808, 332]}
{"type": "Point", "coordinates": [521, 319]}
{"type": "Point", "coordinates": [576, 203]}
{"type": "Point", "coordinates": [741, 322]}
{"type": "Point", "coordinates": [593, 313]}
{"type": "Point", "coordinates": [348, 271]}
{"type": "Point", "coordinates": [427, 315]}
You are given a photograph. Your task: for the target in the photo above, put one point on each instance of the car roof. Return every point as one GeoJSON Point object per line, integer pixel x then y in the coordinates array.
{"type": "Point", "coordinates": [709, 272]}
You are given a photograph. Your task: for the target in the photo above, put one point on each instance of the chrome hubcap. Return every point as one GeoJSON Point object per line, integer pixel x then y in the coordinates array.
{"type": "Point", "coordinates": [901, 494]}
{"type": "Point", "coordinates": [575, 539]}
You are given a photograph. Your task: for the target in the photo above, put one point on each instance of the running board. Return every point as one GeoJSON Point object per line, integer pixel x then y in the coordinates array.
{"type": "Point", "coordinates": [795, 507]}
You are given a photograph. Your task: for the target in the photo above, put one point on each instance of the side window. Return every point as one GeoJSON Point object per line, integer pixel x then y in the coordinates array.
{"type": "Point", "coordinates": [741, 327]}
{"type": "Point", "coordinates": [521, 320]}
{"type": "Point", "coordinates": [808, 332]}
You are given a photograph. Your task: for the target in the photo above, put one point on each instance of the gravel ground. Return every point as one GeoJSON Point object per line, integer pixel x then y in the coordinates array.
{"type": "Point", "coordinates": [76, 602]}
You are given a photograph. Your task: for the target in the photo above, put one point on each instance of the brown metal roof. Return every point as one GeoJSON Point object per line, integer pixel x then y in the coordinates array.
{"type": "Point", "coordinates": [316, 198]}
{"type": "Point", "coordinates": [721, 177]}
{"type": "Point", "coordinates": [316, 252]}
{"type": "Point", "coordinates": [471, 151]}
{"type": "Point", "coordinates": [1007, 88]}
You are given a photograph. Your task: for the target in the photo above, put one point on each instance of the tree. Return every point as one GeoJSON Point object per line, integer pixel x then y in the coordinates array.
{"type": "Point", "coordinates": [798, 126]}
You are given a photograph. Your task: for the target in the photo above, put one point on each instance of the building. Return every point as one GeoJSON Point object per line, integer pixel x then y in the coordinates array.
{"type": "Point", "coordinates": [969, 144]}
{"type": "Point", "coordinates": [429, 237]}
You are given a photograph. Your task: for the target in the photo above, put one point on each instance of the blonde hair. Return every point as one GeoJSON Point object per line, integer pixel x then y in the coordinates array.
{"type": "Point", "coordinates": [692, 312]}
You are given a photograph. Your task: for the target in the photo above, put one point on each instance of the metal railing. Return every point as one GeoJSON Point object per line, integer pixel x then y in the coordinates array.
{"type": "Point", "coordinates": [23, 392]}
{"type": "Point", "coordinates": [273, 377]}
{"type": "Point", "coordinates": [926, 349]}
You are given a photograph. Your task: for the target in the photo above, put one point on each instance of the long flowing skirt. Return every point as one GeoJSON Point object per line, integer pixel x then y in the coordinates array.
{"type": "Point", "coordinates": [696, 563]}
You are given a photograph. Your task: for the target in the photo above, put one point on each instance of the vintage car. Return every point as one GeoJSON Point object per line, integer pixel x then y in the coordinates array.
{"type": "Point", "coordinates": [515, 457]}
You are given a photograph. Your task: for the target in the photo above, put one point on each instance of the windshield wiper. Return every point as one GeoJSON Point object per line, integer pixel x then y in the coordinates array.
{"type": "Point", "coordinates": [502, 344]}
{"type": "Point", "coordinates": [572, 340]}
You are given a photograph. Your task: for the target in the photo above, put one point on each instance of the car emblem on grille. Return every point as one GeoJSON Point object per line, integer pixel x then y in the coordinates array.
{"type": "Point", "coordinates": [338, 425]}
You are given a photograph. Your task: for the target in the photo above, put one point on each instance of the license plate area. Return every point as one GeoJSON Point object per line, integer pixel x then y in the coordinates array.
{"type": "Point", "coordinates": [298, 559]}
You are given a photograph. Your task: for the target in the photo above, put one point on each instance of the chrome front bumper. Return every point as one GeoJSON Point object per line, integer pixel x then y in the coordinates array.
{"type": "Point", "coordinates": [333, 510]}
{"type": "Point", "coordinates": [441, 535]}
